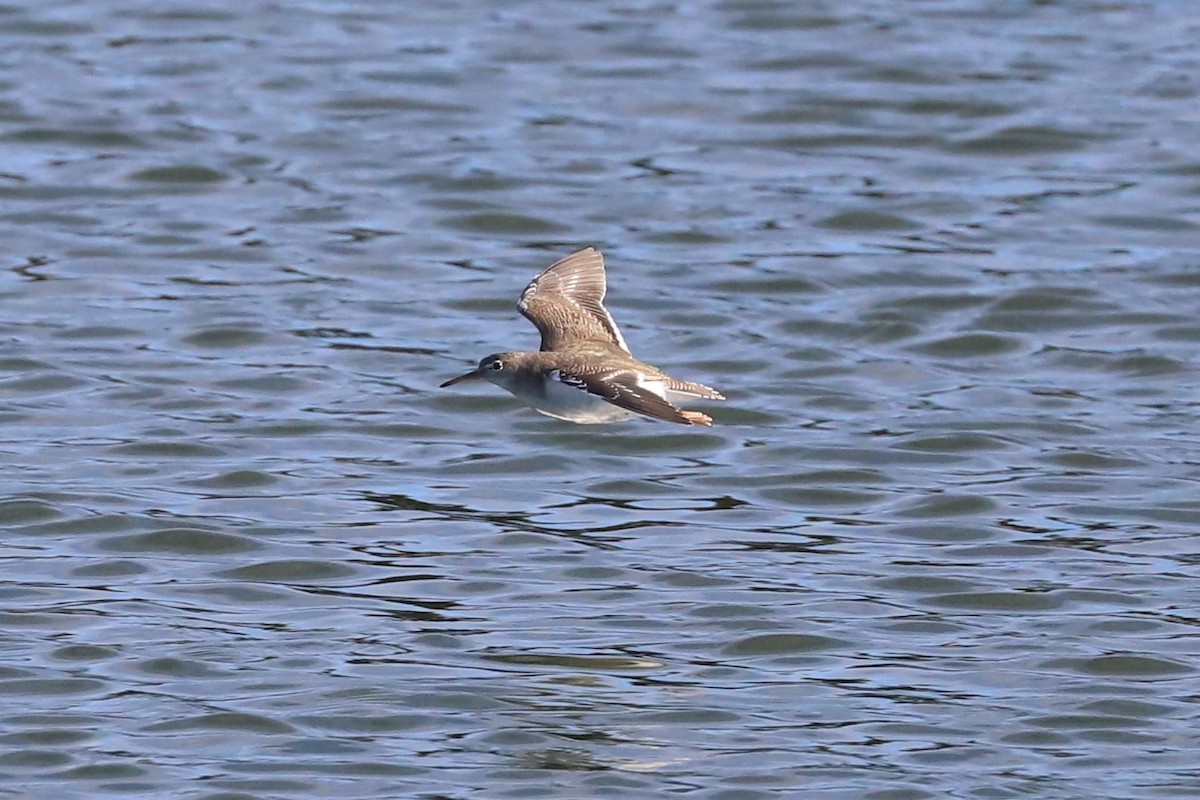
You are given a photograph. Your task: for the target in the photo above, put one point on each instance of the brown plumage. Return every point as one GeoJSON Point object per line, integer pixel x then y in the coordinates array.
{"type": "Point", "coordinates": [584, 371]}
{"type": "Point", "coordinates": [566, 303]}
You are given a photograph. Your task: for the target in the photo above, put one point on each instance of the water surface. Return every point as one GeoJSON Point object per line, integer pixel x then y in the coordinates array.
{"type": "Point", "coordinates": [940, 256]}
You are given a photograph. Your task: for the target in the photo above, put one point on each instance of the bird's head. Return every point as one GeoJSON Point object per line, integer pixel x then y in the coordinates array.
{"type": "Point", "coordinates": [498, 368]}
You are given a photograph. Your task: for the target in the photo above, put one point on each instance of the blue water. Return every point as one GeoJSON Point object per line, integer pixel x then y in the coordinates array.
{"type": "Point", "coordinates": [941, 257]}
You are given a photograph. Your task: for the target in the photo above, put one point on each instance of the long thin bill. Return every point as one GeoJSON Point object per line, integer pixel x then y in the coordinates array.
{"type": "Point", "coordinates": [473, 375]}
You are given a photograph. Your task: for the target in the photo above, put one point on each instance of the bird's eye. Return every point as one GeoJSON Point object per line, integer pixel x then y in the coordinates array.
{"type": "Point", "coordinates": [496, 365]}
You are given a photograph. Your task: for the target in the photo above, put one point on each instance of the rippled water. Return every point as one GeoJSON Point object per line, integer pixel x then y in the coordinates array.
{"type": "Point", "coordinates": [942, 257]}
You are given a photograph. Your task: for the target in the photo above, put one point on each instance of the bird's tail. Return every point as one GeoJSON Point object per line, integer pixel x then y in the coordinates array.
{"type": "Point", "coordinates": [693, 389]}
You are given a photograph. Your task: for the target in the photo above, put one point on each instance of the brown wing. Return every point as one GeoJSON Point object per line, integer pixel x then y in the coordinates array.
{"type": "Point", "coordinates": [621, 388]}
{"type": "Point", "coordinates": [566, 302]}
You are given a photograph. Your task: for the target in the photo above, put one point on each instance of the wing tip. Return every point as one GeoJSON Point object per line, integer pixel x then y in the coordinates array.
{"type": "Point", "coordinates": [697, 418]}
{"type": "Point", "coordinates": [587, 254]}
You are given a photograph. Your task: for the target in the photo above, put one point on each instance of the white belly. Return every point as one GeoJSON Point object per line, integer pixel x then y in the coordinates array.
{"type": "Point", "coordinates": [575, 405]}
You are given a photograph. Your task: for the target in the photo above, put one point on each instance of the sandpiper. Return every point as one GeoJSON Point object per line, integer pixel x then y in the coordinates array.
{"type": "Point", "coordinates": [584, 372]}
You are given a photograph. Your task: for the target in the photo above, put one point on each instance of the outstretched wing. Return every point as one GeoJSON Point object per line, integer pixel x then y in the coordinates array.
{"type": "Point", "coordinates": [621, 388]}
{"type": "Point", "coordinates": [566, 302]}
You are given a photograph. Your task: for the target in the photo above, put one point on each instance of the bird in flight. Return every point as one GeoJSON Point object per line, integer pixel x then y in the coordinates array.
{"type": "Point", "coordinates": [584, 372]}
